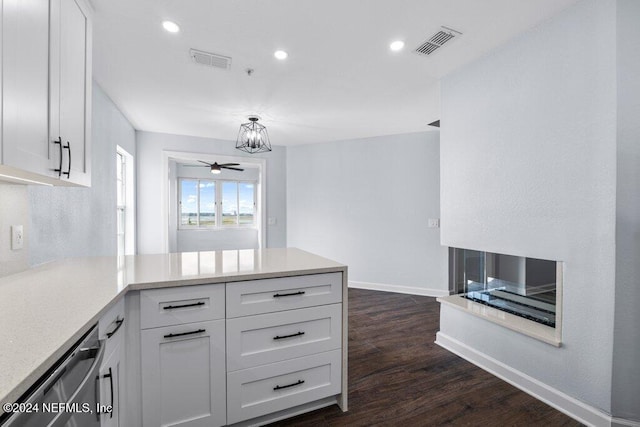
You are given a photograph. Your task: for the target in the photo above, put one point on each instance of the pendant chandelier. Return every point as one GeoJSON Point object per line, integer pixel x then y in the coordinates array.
{"type": "Point", "coordinates": [253, 137]}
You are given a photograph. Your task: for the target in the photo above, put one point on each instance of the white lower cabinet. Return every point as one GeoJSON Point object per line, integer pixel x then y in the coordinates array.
{"type": "Point", "coordinates": [272, 337]}
{"type": "Point", "coordinates": [109, 377]}
{"type": "Point", "coordinates": [247, 352]}
{"type": "Point", "coordinates": [183, 375]}
{"type": "Point", "coordinates": [111, 332]}
{"type": "Point", "coordinates": [269, 388]}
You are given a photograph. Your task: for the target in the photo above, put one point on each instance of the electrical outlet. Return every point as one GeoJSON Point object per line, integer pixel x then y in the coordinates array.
{"type": "Point", "coordinates": [17, 237]}
{"type": "Point", "coordinates": [433, 223]}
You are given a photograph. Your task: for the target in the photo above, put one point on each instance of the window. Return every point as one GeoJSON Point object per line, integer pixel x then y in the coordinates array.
{"type": "Point", "coordinates": [125, 201]}
{"type": "Point", "coordinates": [199, 200]}
{"type": "Point", "coordinates": [121, 191]}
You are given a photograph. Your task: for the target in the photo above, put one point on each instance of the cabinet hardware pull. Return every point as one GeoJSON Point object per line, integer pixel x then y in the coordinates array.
{"type": "Point", "coordinates": [171, 307]}
{"type": "Point", "coordinates": [96, 394]}
{"type": "Point", "coordinates": [59, 170]}
{"type": "Point", "coordinates": [199, 331]}
{"type": "Point", "coordinates": [68, 172]}
{"type": "Point", "coordinates": [278, 387]}
{"type": "Point", "coordinates": [118, 323]}
{"type": "Point", "coordinates": [277, 337]}
{"type": "Point", "coordinates": [110, 376]}
{"type": "Point", "coordinates": [289, 295]}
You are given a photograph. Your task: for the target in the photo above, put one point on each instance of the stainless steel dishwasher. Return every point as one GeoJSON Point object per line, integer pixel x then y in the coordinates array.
{"type": "Point", "coordinates": [68, 394]}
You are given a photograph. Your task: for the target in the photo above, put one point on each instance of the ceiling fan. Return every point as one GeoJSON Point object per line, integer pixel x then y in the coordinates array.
{"type": "Point", "coordinates": [217, 168]}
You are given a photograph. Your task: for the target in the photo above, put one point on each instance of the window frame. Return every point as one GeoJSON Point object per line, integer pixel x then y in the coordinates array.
{"type": "Point", "coordinates": [121, 208]}
{"type": "Point", "coordinates": [218, 205]}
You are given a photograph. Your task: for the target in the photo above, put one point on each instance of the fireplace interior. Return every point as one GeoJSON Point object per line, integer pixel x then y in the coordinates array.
{"type": "Point", "coordinates": [525, 287]}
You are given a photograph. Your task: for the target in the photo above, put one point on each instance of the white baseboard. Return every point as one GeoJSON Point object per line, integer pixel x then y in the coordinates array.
{"type": "Point", "coordinates": [571, 406]}
{"type": "Point", "coordinates": [399, 289]}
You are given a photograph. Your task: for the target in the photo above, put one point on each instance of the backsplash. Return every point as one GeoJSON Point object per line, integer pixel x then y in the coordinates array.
{"type": "Point", "coordinates": [14, 210]}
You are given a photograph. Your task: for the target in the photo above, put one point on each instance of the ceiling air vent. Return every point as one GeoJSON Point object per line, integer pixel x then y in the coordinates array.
{"type": "Point", "coordinates": [210, 59]}
{"type": "Point", "coordinates": [436, 41]}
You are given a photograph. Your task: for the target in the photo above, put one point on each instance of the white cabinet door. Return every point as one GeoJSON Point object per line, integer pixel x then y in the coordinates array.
{"type": "Point", "coordinates": [183, 375]}
{"type": "Point", "coordinates": [70, 90]}
{"type": "Point", "coordinates": [25, 80]}
{"type": "Point", "coordinates": [111, 373]}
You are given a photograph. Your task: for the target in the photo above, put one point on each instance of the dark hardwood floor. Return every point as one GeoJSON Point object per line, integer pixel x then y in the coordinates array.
{"type": "Point", "coordinates": [398, 376]}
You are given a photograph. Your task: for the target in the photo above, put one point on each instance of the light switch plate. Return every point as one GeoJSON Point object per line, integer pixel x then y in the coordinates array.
{"type": "Point", "coordinates": [272, 221]}
{"type": "Point", "coordinates": [17, 237]}
{"type": "Point", "coordinates": [434, 222]}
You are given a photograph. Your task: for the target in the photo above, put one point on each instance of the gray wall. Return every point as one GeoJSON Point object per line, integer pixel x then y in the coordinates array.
{"type": "Point", "coordinates": [365, 203]}
{"type": "Point", "coordinates": [69, 222]}
{"type": "Point", "coordinates": [150, 148]}
{"type": "Point", "coordinates": [529, 168]}
{"type": "Point", "coordinates": [14, 210]}
{"type": "Point", "coordinates": [626, 350]}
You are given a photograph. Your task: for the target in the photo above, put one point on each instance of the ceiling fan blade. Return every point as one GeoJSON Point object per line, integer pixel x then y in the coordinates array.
{"type": "Point", "coordinates": [209, 164]}
{"type": "Point", "coordinates": [235, 169]}
{"type": "Point", "coordinates": [229, 164]}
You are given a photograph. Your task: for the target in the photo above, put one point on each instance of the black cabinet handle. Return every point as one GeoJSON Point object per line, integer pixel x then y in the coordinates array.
{"type": "Point", "coordinates": [96, 394]}
{"type": "Point", "coordinates": [118, 323]}
{"type": "Point", "coordinates": [289, 295]}
{"type": "Point", "coordinates": [59, 170]}
{"type": "Point", "coordinates": [280, 387]}
{"type": "Point", "coordinates": [171, 307]}
{"type": "Point", "coordinates": [110, 376]}
{"type": "Point", "coordinates": [68, 172]}
{"type": "Point", "coordinates": [199, 331]}
{"type": "Point", "coordinates": [277, 337]}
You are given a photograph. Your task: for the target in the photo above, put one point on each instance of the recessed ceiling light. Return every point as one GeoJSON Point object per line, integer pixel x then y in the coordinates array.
{"type": "Point", "coordinates": [170, 26]}
{"type": "Point", "coordinates": [280, 54]}
{"type": "Point", "coordinates": [396, 45]}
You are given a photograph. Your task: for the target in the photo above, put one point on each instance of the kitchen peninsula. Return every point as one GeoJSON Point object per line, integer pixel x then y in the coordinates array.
{"type": "Point", "coordinates": [242, 294]}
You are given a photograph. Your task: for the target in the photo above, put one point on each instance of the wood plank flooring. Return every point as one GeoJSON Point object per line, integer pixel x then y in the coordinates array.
{"type": "Point", "coordinates": [399, 377]}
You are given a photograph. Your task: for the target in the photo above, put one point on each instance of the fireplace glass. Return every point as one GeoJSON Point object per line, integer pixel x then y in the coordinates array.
{"type": "Point", "coordinates": [526, 287]}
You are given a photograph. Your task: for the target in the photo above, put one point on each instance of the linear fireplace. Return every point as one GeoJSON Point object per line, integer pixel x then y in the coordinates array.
{"type": "Point", "coordinates": [525, 287]}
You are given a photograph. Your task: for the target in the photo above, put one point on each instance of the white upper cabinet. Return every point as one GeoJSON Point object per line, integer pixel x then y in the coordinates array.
{"type": "Point", "coordinates": [45, 68]}
{"type": "Point", "coordinates": [25, 82]}
{"type": "Point", "coordinates": [70, 90]}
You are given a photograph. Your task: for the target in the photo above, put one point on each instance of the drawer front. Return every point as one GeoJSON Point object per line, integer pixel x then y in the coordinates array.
{"type": "Point", "coordinates": [109, 325]}
{"type": "Point", "coordinates": [185, 304]}
{"type": "Point", "coordinates": [272, 337]}
{"type": "Point", "coordinates": [287, 293]}
{"type": "Point", "coordinates": [111, 328]}
{"type": "Point", "coordinates": [269, 388]}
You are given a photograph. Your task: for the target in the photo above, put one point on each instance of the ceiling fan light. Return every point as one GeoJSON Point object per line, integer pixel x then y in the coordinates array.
{"type": "Point", "coordinates": [215, 169]}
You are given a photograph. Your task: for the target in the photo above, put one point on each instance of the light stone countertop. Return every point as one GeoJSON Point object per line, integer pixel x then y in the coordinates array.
{"type": "Point", "coordinates": [45, 310]}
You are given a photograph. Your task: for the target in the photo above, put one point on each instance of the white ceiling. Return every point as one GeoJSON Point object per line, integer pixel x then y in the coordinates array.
{"type": "Point", "coordinates": [340, 81]}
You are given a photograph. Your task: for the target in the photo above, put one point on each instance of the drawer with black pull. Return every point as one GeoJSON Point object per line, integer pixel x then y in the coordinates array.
{"type": "Point", "coordinates": [184, 304]}
{"type": "Point", "coordinates": [287, 293]}
{"type": "Point", "coordinates": [111, 327]}
{"type": "Point", "coordinates": [272, 337]}
{"type": "Point", "coordinates": [269, 388]}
